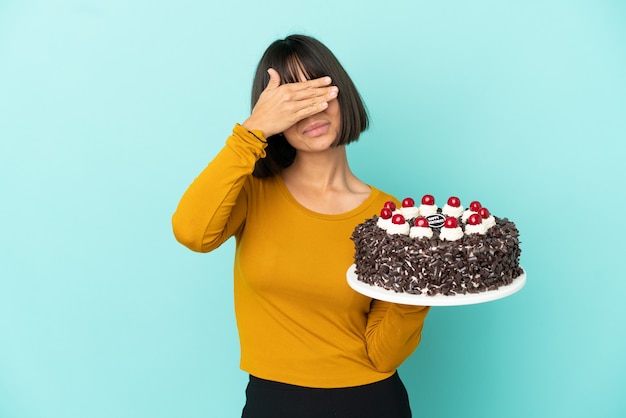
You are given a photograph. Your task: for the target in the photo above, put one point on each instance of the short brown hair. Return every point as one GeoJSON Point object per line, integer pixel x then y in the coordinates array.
{"type": "Point", "coordinates": [286, 56]}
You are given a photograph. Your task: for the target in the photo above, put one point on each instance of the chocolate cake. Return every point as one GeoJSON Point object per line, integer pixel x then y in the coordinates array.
{"type": "Point", "coordinates": [428, 250]}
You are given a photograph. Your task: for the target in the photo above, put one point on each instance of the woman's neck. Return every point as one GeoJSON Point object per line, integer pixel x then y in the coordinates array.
{"type": "Point", "coordinates": [320, 170]}
{"type": "Point", "coordinates": [324, 183]}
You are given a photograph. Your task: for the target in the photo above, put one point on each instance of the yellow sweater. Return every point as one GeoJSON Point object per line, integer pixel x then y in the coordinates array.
{"type": "Point", "coordinates": [299, 322]}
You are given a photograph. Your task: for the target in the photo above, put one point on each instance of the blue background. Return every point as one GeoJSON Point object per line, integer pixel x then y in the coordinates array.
{"type": "Point", "coordinates": [109, 109]}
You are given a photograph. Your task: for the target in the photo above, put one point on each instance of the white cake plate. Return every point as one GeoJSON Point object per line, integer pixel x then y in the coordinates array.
{"type": "Point", "coordinates": [377, 292]}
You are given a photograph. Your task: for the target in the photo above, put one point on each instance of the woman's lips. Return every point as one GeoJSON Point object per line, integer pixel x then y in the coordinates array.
{"type": "Point", "coordinates": [316, 129]}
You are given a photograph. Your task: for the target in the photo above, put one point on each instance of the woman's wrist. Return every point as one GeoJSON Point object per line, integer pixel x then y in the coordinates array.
{"type": "Point", "coordinates": [251, 125]}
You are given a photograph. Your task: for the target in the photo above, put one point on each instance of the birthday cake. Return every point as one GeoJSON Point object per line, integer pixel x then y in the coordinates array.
{"type": "Point", "coordinates": [427, 250]}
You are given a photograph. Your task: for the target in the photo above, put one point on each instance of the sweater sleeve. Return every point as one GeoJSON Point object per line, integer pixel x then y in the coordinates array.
{"type": "Point", "coordinates": [213, 207]}
{"type": "Point", "coordinates": [393, 333]}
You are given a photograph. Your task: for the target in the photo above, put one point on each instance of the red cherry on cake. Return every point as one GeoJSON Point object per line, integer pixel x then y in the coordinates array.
{"type": "Point", "coordinates": [390, 205]}
{"type": "Point", "coordinates": [484, 213]}
{"type": "Point", "coordinates": [474, 219]}
{"type": "Point", "coordinates": [421, 222]}
{"type": "Point", "coordinates": [451, 222]}
{"type": "Point", "coordinates": [408, 203]}
{"type": "Point", "coordinates": [398, 219]}
{"type": "Point", "coordinates": [386, 213]}
{"type": "Point", "coordinates": [454, 201]}
{"type": "Point", "coordinates": [475, 206]}
{"type": "Point", "coordinates": [428, 200]}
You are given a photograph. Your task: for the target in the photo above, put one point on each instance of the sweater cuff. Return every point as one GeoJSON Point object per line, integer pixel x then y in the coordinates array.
{"type": "Point", "coordinates": [254, 140]}
{"type": "Point", "coordinates": [258, 135]}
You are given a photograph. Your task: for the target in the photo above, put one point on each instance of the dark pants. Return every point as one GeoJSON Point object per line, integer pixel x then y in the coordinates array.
{"type": "Point", "coordinates": [385, 399]}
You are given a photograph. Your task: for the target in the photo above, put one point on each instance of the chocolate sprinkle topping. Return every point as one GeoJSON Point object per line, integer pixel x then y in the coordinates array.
{"type": "Point", "coordinates": [430, 266]}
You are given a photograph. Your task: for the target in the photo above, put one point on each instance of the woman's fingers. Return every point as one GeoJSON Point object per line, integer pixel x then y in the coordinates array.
{"type": "Point", "coordinates": [312, 108]}
{"type": "Point", "coordinates": [306, 86]}
{"type": "Point", "coordinates": [281, 106]}
{"type": "Point", "coordinates": [315, 104]}
{"type": "Point", "coordinates": [297, 97]}
{"type": "Point", "coordinates": [308, 105]}
{"type": "Point", "coordinates": [318, 87]}
{"type": "Point", "coordinates": [274, 79]}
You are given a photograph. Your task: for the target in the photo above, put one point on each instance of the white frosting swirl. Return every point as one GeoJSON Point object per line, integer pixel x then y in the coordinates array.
{"type": "Point", "coordinates": [467, 214]}
{"type": "Point", "coordinates": [451, 234]}
{"type": "Point", "coordinates": [383, 223]}
{"type": "Point", "coordinates": [427, 210]}
{"type": "Point", "coordinates": [452, 211]}
{"type": "Point", "coordinates": [481, 229]}
{"type": "Point", "coordinates": [489, 222]}
{"type": "Point", "coordinates": [420, 232]}
{"type": "Point", "coordinates": [401, 229]}
{"type": "Point", "coordinates": [410, 212]}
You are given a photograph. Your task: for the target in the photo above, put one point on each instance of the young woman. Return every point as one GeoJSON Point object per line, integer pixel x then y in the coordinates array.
{"type": "Point", "coordinates": [283, 188]}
